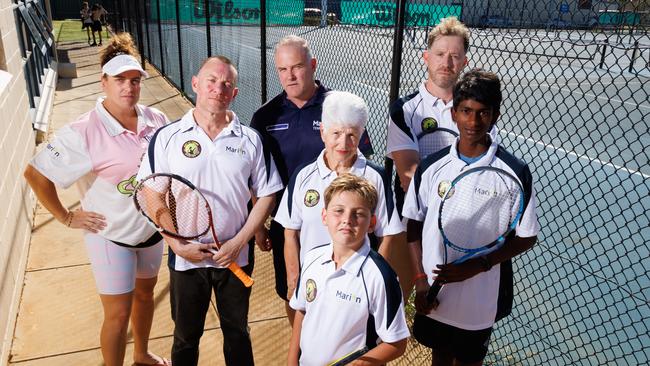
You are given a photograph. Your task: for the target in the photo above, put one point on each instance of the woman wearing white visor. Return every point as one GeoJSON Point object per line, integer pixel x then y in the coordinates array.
{"type": "Point", "coordinates": [101, 152]}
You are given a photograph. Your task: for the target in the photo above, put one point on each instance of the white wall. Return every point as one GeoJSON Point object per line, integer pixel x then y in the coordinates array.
{"type": "Point", "coordinates": [17, 141]}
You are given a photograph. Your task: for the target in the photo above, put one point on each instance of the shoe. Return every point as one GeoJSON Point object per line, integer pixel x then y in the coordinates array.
{"type": "Point", "coordinates": [165, 362]}
{"type": "Point", "coordinates": [93, 44]}
{"type": "Point", "coordinates": [99, 44]}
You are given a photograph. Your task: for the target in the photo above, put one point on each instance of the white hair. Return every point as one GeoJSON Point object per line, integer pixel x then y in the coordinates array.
{"type": "Point", "coordinates": [295, 41]}
{"type": "Point", "coordinates": [344, 109]}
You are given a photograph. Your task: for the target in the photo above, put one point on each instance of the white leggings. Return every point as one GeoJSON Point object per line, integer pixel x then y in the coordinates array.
{"type": "Point", "coordinates": [116, 267]}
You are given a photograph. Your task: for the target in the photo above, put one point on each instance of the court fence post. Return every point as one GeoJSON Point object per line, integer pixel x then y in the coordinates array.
{"type": "Point", "coordinates": [634, 51]}
{"type": "Point", "coordinates": [139, 30]}
{"type": "Point", "coordinates": [208, 36]}
{"type": "Point", "coordinates": [263, 48]}
{"type": "Point", "coordinates": [120, 18]}
{"type": "Point", "coordinates": [602, 54]}
{"type": "Point", "coordinates": [147, 18]}
{"type": "Point", "coordinates": [180, 49]}
{"type": "Point", "coordinates": [160, 40]}
{"type": "Point", "coordinates": [398, 39]}
{"type": "Point", "coordinates": [116, 17]}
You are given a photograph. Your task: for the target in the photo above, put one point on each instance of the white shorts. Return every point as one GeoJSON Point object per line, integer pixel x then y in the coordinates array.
{"type": "Point", "coordinates": [116, 267]}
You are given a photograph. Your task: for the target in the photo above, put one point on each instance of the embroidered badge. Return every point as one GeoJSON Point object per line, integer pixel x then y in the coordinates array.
{"type": "Point", "coordinates": [443, 187]}
{"type": "Point", "coordinates": [310, 290]}
{"type": "Point", "coordinates": [429, 124]}
{"type": "Point", "coordinates": [127, 187]}
{"type": "Point", "coordinates": [311, 198]}
{"type": "Point", "coordinates": [191, 149]}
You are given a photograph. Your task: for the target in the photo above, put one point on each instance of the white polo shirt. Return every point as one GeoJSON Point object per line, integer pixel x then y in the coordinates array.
{"type": "Point", "coordinates": [304, 199]}
{"type": "Point", "coordinates": [470, 304]}
{"type": "Point", "coordinates": [341, 304]}
{"type": "Point", "coordinates": [414, 113]}
{"type": "Point", "coordinates": [102, 157]}
{"type": "Point", "coordinates": [223, 170]}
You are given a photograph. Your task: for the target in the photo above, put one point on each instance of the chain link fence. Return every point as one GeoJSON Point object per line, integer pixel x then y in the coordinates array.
{"type": "Point", "coordinates": [575, 76]}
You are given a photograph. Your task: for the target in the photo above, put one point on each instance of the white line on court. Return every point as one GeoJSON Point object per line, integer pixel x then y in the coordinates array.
{"type": "Point", "coordinates": [594, 96]}
{"type": "Point", "coordinates": [584, 157]}
{"type": "Point", "coordinates": [371, 87]}
{"type": "Point", "coordinates": [582, 83]}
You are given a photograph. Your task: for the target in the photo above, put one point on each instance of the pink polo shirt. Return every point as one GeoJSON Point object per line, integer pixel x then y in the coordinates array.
{"type": "Point", "coordinates": [103, 157]}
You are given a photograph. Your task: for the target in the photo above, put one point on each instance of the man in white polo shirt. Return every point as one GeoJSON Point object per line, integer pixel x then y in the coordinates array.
{"type": "Point", "coordinates": [426, 109]}
{"type": "Point", "coordinates": [224, 159]}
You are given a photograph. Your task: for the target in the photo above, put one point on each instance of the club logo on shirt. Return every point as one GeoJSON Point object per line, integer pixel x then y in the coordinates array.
{"type": "Point", "coordinates": [235, 150]}
{"type": "Point", "coordinates": [127, 186]}
{"type": "Point", "coordinates": [311, 198]}
{"type": "Point", "coordinates": [315, 125]}
{"type": "Point", "coordinates": [443, 187]}
{"type": "Point", "coordinates": [429, 124]}
{"type": "Point", "coordinates": [486, 192]}
{"type": "Point", "coordinates": [191, 149]}
{"type": "Point", "coordinates": [53, 150]}
{"type": "Point", "coordinates": [348, 297]}
{"type": "Point", "coordinates": [310, 290]}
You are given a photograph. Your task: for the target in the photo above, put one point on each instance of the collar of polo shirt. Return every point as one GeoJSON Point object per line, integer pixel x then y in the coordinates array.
{"type": "Point", "coordinates": [432, 100]}
{"type": "Point", "coordinates": [316, 99]}
{"type": "Point", "coordinates": [113, 126]}
{"type": "Point", "coordinates": [483, 161]}
{"type": "Point", "coordinates": [355, 261]}
{"type": "Point", "coordinates": [357, 168]}
{"type": "Point", "coordinates": [189, 123]}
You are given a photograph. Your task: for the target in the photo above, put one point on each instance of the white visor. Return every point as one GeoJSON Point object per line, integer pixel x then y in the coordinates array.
{"type": "Point", "coordinates": [122, 63]}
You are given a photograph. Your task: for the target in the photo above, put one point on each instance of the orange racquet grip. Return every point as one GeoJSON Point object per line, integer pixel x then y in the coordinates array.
{"type": "Point", "coordinates": [243, 277]}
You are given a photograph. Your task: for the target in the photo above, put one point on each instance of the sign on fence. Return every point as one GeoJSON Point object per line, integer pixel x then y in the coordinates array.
{"type": "Point", "coordinates": [235, 12]}
{"type": "Point", "coordinates": [383, 13]}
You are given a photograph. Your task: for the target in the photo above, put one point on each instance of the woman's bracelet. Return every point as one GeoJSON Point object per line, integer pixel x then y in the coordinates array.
{"type": "Point", "coordinates": [68, 219]}
{"type": "Point", "coordinates": [420, 276]}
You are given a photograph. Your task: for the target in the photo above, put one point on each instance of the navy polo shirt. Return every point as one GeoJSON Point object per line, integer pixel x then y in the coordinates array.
{"type": "Point", "coordinates": [291, 134]}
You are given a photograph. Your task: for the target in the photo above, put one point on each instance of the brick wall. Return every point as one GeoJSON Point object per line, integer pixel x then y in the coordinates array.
{"type": "Point", "coordinates": [17, 140]}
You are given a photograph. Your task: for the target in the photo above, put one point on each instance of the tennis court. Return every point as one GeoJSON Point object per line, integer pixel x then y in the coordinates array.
{"type": "Point", "coordinates": [573, 110]}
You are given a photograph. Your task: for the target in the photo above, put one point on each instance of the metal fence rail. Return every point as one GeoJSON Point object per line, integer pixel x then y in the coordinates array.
{"type": "Point", "coordinates": [575, 75]}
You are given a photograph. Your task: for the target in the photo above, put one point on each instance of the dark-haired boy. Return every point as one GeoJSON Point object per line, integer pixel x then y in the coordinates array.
{"type": "Point", "coordinates": [458, 326]}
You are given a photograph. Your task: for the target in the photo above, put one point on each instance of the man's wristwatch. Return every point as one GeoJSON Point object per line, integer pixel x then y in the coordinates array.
{"type": "Point", "coordinates": [486, 265]}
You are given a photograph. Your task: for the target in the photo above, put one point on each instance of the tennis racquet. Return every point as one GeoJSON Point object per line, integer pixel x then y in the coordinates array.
{"type": "Point", "coordinates": [178, 209]}
{"type": "Point", "coordinates": [349, 357]}
{"type": "Point", "coordinates": [478, 211]}
{"type": "Point", "coordinates": [434, 140]}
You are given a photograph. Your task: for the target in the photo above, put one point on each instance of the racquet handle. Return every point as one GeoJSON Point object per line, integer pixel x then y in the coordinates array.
{"type": "Point", "coordinates": [433, 291]}
{"type": "Point", "coordinates": [347, 359]}
{"type": "Point", "coordinates": [238, 272]}
{"type": "Point", "coordinates": [243, 277]}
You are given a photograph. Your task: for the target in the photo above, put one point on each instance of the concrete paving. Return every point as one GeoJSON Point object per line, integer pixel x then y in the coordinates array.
{"type": "Point", "coordinates": [60, 312]}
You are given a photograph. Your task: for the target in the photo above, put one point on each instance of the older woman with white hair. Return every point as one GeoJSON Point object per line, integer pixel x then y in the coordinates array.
{"type": "Point", "coordinates": [343, 122]}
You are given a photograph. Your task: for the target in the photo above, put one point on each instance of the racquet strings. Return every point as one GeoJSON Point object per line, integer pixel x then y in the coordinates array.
{"type": "Point", "coordinates": [478, 209]}
{"type": "Point", "coordinates": [435, 141]}
{"type": "Point", "coordinates": [174, 206]}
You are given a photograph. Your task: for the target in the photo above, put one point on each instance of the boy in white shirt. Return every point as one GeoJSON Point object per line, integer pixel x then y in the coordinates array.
{"type": "Point", "coordinates": [346, 290]}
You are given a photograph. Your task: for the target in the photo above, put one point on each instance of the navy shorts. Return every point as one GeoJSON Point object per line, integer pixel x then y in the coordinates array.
{"type": "Point", "coordinates": [468, 346]}
{"type": "Point", "coordinates": [96, 26]}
